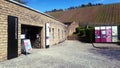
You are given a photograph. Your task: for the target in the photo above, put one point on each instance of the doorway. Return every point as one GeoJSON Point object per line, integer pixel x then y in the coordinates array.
{"type": "Point", "coordinates": [33, 33]}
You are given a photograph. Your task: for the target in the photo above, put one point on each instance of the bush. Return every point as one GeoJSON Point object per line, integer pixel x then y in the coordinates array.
{"type": "Point", "coordinates": [82, 33]}
{"type": "Point", "coordinates": [86, 34]}
{"type": "Point", "coordinates": [78, 29]}
{"type": "Point", "coordinates": [90, 34]}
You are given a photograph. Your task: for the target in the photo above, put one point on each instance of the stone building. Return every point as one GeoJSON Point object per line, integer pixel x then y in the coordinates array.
{"type": "Point", "coordinates": [17, 19]}
{"type": "Point", "coordinates": [71, 27]}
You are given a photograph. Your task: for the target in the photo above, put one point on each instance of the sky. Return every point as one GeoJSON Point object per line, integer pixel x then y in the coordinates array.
{"type": "Point", "coordinates": [47, 5]}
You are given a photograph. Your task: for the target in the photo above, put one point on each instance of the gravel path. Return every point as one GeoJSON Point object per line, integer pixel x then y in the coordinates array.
{"type": "Point", "coordinates": [69, 54]}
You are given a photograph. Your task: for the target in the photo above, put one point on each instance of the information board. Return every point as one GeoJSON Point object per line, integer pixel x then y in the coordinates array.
{"type": "Point", "coordinates": [47, 35]}
{"type": "Point", "coordinates": [108, 34]}
{"type": "Point", "coordinates": [103, 34]}
{"type": "Point", "coordinates": [97, 34]}
{"type": "Point", "coordinates": [27, 45]}
{"type": "Point", "coordinates": [114, 34]}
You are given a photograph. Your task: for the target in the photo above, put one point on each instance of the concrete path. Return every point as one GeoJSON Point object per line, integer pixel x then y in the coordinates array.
{"type": "Point", "coordinates": [69, 54]}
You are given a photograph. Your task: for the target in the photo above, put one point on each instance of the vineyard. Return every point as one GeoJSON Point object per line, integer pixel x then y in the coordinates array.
{"type": "Point", "coordinates": [104, 14]}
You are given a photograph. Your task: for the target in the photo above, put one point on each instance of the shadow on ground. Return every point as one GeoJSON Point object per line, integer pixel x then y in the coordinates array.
{"type": "Point", "coordinates": [109, 52]}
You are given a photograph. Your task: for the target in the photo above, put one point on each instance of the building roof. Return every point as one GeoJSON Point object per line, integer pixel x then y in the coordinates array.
{"type": "Point", "coordinates": [17, 3]}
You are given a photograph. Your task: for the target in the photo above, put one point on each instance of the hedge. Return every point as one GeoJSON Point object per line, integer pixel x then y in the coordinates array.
{"type": "Point", "coordinates": [85, 33]}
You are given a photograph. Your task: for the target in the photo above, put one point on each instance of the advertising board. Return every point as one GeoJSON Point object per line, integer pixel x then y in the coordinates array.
{"type": "Point", "coordinates": [27, 45]}
{"type": "Point", "coordinates": [103, 34]}
{"type": "Point", "coordinates": [108, 34]}
{"type": "Point", "coordinates": [47, 35]}
{"type": "Point", "coordinates": [97, 34]}
{"type": "Point", "coordinates": [114, 34]}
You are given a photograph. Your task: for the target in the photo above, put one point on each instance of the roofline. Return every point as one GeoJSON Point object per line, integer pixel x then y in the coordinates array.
{"type": "Point", "coordinates": [17, 3]}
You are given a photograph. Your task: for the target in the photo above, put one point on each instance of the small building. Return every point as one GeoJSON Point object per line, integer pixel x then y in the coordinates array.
{"type": "Point", "coordinates": [17, 19]}
{"type": "Point", "coordinates": [71, 27]}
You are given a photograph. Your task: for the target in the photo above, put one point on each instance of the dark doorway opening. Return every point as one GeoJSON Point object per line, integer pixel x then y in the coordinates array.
{"type": "Point", "coordinates": [12, 50]}
{"type": "Point", "coordinates": [33, 33]}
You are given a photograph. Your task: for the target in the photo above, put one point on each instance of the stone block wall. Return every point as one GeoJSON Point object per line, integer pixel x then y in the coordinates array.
{"type": "Point", "coordinates": [72, 28]}
{"type": "Point", "coordinates": [26, 16]}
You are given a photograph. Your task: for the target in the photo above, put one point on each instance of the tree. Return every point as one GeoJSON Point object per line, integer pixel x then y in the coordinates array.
{"type": "Point", "coordinates": [21, 1]}
{"type": "Point", "coordinates": [82, 5]}
{"type": "Point", "coordinates": [89, 4]}
{"type": "Point", "coordinates": [71, 8]}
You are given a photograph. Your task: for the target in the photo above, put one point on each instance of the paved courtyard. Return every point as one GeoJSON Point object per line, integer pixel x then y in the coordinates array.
{"type": "Point", "coordinates": [69, 54]}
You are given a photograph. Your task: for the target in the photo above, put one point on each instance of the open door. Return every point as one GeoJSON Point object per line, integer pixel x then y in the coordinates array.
{"type": "Point", "coordinates": [33, 33]}
{"type": "Point", "coordinates": [12, 37]}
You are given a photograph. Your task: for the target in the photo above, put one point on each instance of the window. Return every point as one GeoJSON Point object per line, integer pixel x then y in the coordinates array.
{"type": "Point", "coordinates": [53, 33]}
{"type": "Point", "coordinates": [49, 29]}
{"type": "Point", "coordinates": [58, 33]}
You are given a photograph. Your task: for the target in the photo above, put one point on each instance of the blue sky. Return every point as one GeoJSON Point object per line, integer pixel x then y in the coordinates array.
{"type": "Point", "coordinates": [46, 5]}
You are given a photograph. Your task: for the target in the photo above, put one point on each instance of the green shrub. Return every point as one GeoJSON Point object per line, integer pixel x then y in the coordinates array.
{"type": "Point", "coordinates": [90, 34]}
{"type": "Point", "coordinates": [85, 32]}
{"type": "Point", "coordinates": [82, 33]}
{"type": "Point", "coordinates": [78, 29]}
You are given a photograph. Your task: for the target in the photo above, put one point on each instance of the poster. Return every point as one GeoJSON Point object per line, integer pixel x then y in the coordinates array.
{"type": "Point", "coordinates": [97, 34]}
{"type": "Point", "coordinates": [27, 45]}
{"type": "Point", "coordinates": [114, 30]}
{"type": "Point", "coordinates": [103, 34]}
{"type": "Point", "coordinates": [47, 35]}
{"type": "Point", "coordinates": [114, 34]}
{"type": "Point", "coordinates": [108, 34]}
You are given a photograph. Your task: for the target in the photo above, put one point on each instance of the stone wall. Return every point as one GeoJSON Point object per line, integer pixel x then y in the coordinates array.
{"type": "Point", "coordinates": [72, 28]}
{"type": "Point", "coordinates": [26, 16]}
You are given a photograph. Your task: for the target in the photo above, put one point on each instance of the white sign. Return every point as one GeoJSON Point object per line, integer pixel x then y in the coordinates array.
{"type": "Point", "coordinates": [27, 45]}
{"type": "Point", "coordinates": [102, 27]}
{"type": "Point", "coordinates": [114, 34]}
{"type": "Point", "coordinates": [114, 31]}
{"type": "Point", "coordinates": [103, 32]}
{"type": "Point", "coordinates": [47, 35]}
{"type": "Point", "coordinates": [22, 36]}
{"type": "Point", "coordinates": [97, 28]}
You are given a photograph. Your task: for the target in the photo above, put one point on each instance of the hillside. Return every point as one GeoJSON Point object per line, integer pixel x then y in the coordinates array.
{"type": "Point", "coordinates": [105, 14]}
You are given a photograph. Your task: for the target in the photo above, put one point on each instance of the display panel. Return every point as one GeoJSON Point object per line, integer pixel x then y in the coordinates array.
{"type": "Point", "coordinates": [47, 35]}
{"type": "Point", "coordinates": [103, 34]}
{"type": "Point", "coordinates": [97, 34]}
{"type": "Point", "coordinates": [108, 34]}
{"type": "Point", "coordinates": [114, 34]}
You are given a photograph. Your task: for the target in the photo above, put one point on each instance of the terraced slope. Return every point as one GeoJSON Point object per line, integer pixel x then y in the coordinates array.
{"type": "Point", "coordinates": [105, 14]}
